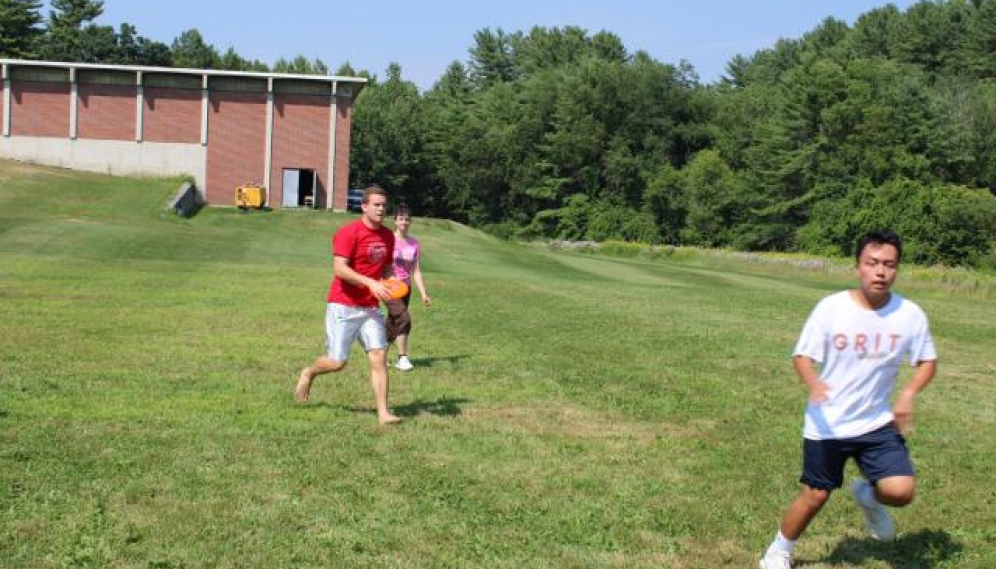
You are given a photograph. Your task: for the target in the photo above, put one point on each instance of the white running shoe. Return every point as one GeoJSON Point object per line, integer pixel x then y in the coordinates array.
{"type": "Point", "coordinates": [776, 559]}
{"type": "Point", "coordinates": [403, 363]}
{"type": "Point", "coordinates": [878, 522]}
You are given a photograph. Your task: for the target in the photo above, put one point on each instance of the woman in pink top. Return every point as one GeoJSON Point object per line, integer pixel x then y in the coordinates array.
{"type": "Point", "coordinates": [406, 267]}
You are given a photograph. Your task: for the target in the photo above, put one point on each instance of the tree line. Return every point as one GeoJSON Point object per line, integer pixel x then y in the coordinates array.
{"type": "Point", "coordinates": [562, 133]}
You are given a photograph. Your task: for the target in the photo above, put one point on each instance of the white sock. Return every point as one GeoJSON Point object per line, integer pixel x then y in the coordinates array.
{"type": "Point", "coordinates": [782, 543]}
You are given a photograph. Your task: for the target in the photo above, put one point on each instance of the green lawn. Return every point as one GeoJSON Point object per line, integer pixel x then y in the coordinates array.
{"type": "Point", "coordinates": [566, 411]}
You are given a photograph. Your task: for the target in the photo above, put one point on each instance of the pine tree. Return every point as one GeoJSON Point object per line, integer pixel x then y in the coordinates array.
{"type": "Point", "coordinates": [19, 29]}
{"type": "Point", "coordinates": [72, 36]}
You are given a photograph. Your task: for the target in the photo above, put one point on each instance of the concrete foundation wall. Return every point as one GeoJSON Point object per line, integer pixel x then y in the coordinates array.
{"type": "Point", "coordinates": [110, 156]}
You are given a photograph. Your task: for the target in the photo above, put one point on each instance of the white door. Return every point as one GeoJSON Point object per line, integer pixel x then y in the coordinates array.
{"type": "Point", "coordinates": [291, 179]}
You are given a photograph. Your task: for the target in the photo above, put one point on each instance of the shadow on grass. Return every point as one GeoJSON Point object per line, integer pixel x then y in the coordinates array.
{"type": "Point", "coordinates": [443, 407]}
{"type": "Point", "coordinates": [921, 550]}
{"type": "Point", "coordinates": [430, 361]}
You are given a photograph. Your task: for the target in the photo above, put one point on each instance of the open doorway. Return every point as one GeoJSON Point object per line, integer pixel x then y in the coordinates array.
{"type": "Point", "coordinates": [300, 188]}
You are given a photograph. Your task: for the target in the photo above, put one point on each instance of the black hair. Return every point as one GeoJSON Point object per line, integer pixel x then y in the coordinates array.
{"type": "Point", "coordinates": [402, 211]}
{"type": "Point", "coordinates": [879, 237]}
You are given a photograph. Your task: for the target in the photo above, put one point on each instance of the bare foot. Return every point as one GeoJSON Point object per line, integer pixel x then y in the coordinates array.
{"type": "Point", "coordinates": [303, 390]}
{"type": "Point", "coordinates": [389, 419]}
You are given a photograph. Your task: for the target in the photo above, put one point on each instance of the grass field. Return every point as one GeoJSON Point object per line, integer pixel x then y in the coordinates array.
{"type": "Point", "coordinates": [566, 411]}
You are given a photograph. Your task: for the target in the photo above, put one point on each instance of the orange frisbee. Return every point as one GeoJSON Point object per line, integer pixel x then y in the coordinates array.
{"type": "Point", "coordinates": [396, 287]}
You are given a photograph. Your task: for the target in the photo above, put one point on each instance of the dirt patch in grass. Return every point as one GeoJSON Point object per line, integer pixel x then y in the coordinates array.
{"type": "Point", "coordinates": [16, 170]}
{"type": "Point", "coordinates": [10, 169]}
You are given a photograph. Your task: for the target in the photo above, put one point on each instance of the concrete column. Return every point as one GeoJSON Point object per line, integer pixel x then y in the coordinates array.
{"type": "Point", "coordinates": [6, 100]}
{"type": "Point", "coordinates": [333, 122]}
{"type": "Point", "coordinates": [74, 99]}
{"type": "Point", "coordinates": [268, 152]}
{"type": "Point", "coordinates": [139, 106]}
{"type": "Point", "coordinates": [205, 104]}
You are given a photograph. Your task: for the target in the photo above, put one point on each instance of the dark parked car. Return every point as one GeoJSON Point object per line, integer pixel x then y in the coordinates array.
{"type": "Point", "coordinates": [354, 198]}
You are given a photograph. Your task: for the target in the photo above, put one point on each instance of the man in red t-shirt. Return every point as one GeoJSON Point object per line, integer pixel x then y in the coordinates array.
{"type": "Point", "coordinates": [362, 254]}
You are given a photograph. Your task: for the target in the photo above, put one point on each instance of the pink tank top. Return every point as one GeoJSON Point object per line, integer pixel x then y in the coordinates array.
{"type": "Point", "coordinates": [406, 252]}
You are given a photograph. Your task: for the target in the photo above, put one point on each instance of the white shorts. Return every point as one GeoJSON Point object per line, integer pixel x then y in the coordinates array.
{"type": "Point", "coordinates": [344, 324]}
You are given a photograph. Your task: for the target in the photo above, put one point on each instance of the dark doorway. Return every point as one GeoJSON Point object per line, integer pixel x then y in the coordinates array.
{"type": "Point", "coordinates": [300, 188]}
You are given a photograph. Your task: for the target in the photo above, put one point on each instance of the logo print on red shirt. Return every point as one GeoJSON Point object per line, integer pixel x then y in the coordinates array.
{"type": "Point", "coordinates": [376, 253]}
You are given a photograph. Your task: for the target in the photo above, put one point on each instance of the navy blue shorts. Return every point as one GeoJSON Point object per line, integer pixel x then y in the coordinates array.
{"type": "Point", "coordinates": [879, 454]}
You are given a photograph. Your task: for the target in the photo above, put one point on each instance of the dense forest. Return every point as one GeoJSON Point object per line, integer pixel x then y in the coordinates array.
{"type": "Point", "coordinates": [562, 133]}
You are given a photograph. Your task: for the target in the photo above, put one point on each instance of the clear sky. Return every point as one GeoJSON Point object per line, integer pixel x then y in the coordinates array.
{"type": "Point", "coordinates": [425, 36]}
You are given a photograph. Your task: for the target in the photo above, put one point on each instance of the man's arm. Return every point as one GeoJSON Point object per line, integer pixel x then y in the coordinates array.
{"type": "Point", "coordinates": [342, 270]}
{"type": "Point", "coordinates": [903, 408]}
{"type": "Point", "coordinates": [806, 370]}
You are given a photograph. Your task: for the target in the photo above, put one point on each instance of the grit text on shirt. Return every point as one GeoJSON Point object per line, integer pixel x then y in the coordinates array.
{"type": "Point", "coordinates": [863, 343]}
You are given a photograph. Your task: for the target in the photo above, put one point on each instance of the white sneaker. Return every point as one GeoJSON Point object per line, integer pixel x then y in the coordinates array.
{"type": "Point", "coordinates": [878, 522]}
{"type": "Point", "coordinates": [776, 559]}
{"type": "Point", "coordinates": [403, 363]}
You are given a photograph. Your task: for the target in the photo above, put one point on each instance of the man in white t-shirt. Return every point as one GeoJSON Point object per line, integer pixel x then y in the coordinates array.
{"type": "Point", "coordinates": [859, 339]}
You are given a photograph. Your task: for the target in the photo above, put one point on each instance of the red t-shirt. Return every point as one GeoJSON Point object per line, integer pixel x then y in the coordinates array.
{"type": "Point", "coordinates": [367, 251]}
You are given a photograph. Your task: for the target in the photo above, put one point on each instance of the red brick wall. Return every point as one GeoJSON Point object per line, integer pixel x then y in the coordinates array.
{"type": "Point", "coordinates": [106, 112]}
{"type": "Point", "coordinates": [39, 109]}
{"type": "Point", "coordinates": [236, 144]}
{"type": "Point", "coordinates": [300, 139]}
{"type": "Point", "coordinates": [171, 115]}
{"type": "Point", "coordinates": [342, 128]}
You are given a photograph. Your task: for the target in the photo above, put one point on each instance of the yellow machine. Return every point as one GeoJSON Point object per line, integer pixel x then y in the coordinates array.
{"type": "Point", "coordinates": [250, 196]}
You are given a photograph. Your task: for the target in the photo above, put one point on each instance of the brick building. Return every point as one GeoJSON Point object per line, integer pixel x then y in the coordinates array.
{"type": "Point", "coordinates": [287, 133]}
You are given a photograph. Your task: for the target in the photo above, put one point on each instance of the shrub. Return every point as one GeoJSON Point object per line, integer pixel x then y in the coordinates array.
{"type": "Point", "coordinates": [939, 224]}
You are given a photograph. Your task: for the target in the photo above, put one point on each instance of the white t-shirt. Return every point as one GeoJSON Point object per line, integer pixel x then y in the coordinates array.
{"type": "Point", "coordinates": [861, 351]}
